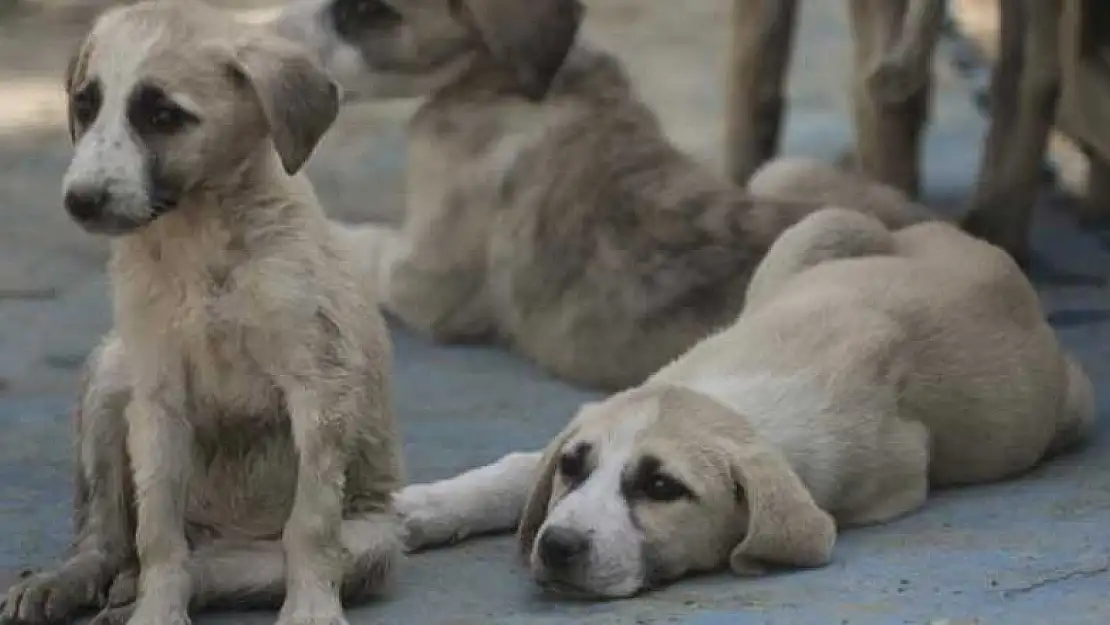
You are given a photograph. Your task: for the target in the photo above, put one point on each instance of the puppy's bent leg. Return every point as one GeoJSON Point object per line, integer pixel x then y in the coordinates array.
{"type": "Point", "coordinates": [485, 500]}
{"type": "Point", "coordinates": [827, 234]}
{"type": "Point", "coordinates": [160, 444]}
{"type": "Point", "coordinates": [104, 542]}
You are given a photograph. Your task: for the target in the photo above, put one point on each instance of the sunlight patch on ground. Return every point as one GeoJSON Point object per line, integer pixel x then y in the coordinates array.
{"type": "Point", "coordinates": [29, 104]}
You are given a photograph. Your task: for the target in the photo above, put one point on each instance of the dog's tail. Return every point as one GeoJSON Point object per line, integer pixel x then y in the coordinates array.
{"type": "Point", "coordinates": [1077, 409]}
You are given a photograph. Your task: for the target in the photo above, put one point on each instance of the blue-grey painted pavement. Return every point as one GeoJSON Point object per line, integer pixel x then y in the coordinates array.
{"type": "Point", "coordinates": [1026, 552]}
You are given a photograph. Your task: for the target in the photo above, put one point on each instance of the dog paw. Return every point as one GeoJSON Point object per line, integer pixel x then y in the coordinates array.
{"type": "Point", "coordinates": [311, 607]}
{"type": "Point", "coordinates": [49, 597]}
{"type": "Point", "coordinates": [156, 614]}
{"type": "Point", "coordinates": [427, 521]}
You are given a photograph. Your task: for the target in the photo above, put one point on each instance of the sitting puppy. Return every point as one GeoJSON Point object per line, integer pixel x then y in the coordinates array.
{"type": "Point", "coordinates": [235, 442]}
{"type": "Point", "coordinates": [546, 208]}
{"type": "Point", "coordinates": [867, 367]}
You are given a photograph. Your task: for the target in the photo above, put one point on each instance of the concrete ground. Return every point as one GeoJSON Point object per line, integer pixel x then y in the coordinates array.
{"type": "Point", "coordinates": [1027, 552]}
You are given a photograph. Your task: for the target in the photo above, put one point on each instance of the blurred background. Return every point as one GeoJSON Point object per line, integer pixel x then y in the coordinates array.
{"type": "Point", "coordinates": [464, 406]}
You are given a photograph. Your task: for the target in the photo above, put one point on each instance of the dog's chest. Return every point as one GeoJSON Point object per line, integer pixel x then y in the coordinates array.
{"type": "Point", "coordinates": [197, 321]}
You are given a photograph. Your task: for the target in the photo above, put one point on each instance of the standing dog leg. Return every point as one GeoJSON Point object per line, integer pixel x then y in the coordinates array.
{"type": "Point", "coordinates": [762, 40]}
{"type": "Point", "coordinates": [888, 143]}
{"type": "Point", "coordinates": [104, 542]}
{"type": "Point", "coordinates": [1025, 89]}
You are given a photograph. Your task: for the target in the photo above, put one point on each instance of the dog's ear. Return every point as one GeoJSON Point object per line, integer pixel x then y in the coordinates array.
{"type": "Point", "coordinates": [75, 75]}
{"type": "Point", "coordinates": [298, 98]}
{"type": "Point", "coordinates": [539, 499]}
{"type": "Point", "coordinates": [531, 38]}
{"type": "Point", "coordinates": [785, 526]}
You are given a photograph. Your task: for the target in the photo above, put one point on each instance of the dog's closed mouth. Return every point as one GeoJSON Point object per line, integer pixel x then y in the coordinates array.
{"type": "Point", "coordinates": [111, 225]}
{"type": "Point", "coordinates": [568, 591]}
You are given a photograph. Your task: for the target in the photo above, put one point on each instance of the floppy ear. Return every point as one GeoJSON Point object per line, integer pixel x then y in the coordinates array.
{"type": "Point", "coordinates": [531, 38]}
{"type": "Point", "coordinates": [785, 526]}
{"type": "Point", "coordinates": [298, 98]}
{"type": "Point", "coordinates": [75, 74]}
{"type": "Point", "coordinates": [539, 499]}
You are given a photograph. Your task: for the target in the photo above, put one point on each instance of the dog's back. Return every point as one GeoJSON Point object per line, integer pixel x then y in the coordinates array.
{"type": "Point", "coordinates": [956, 331]}
{"type": "Point", "coordinates": [610, 250]}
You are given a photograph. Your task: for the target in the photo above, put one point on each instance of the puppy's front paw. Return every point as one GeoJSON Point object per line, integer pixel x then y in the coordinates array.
{"type": "Point", "coordinates": [318, 610]}
{"type": "Point", "coordinates": [151, 613]}
{"type": "Point", "coordinates": [50, 597]}
{"type": "Point", "coordinates": [427, 520]}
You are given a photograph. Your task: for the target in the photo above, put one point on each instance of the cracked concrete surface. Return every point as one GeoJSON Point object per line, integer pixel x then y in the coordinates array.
{"type": "Point", "coordinates": [1026, 552]}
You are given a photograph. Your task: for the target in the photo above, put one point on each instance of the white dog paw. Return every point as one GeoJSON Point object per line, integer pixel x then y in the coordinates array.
{"type": "Point", "coordinates": [428, 522]}
{"type": "Point", "coordinates": [157, 615]}
{"type": "Point", "coordinates": [312, 607]}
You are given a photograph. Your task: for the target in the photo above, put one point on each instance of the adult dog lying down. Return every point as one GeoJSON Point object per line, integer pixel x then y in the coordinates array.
{"type": "Point", "coordinates": [867, 367]}
{"type": "Point", "coordinates": [546, 207]}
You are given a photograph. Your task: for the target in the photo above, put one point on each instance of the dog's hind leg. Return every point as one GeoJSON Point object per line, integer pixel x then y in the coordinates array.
{"type": "Point", "coordinates": [827, 234]}
{"type": "Point", "coordinates": [485, 500]}
{"type": "Point", "coordinates": [103, 518]}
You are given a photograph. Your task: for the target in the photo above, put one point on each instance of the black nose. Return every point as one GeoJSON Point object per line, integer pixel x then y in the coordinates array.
{"type": "Point", "coordinates": [86, 204]}
{"type": "Point", "coordinates": [560, 547]}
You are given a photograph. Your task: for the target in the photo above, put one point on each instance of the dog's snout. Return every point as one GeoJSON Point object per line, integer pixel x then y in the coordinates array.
{"type": "Point", "coordinates": [559, 547]}
{"type": "Point", "coordinates": [86, 203]}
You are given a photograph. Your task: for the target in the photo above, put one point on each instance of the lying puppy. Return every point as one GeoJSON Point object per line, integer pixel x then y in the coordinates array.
{"type": "Point", "coordinates": [235, 441]}
{"type": "Point", "coordinates": [546, 208]}
{"type": "Point", "coordinates": [866, 368]}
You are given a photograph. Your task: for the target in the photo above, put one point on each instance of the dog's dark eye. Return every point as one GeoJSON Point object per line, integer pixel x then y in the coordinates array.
{"type": "Point", "coordinates": [572, 464]}
{"type": "Point", "coordinates": [352, 16]}
{"type": "Point", "coordinates": [85, 103]}
{"type": "Point", "coordinates": [664, 488]}
{"type": "Point", "coordinates": [152, 112]}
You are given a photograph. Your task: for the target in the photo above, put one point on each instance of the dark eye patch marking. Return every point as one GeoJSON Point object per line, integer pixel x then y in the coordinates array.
{"type": "Point", "coordinates": [152, 113]}
{"type": "Point", "coordinates": [85, 103]}
{"type": "Point", "coordinates": [647, 481]}
{"type": "Point", "coordinates": [574, 464]}
{"type": "Point", "coordinates": [353, 17]}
